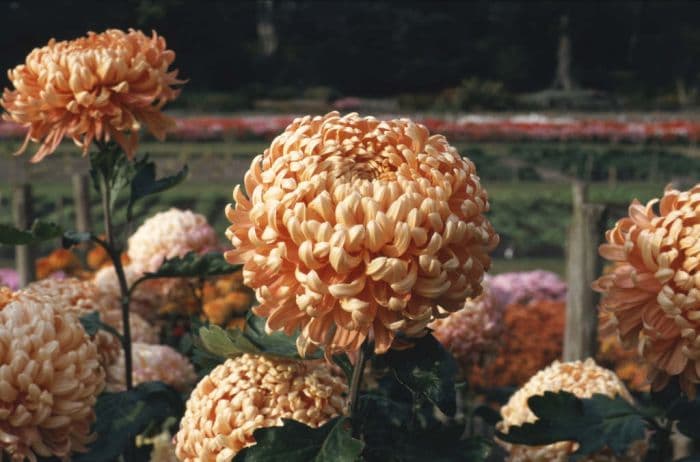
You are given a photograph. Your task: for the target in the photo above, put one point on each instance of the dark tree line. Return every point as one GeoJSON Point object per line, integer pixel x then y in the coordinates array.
{"type": "Point", "coordinates": [384, 48]}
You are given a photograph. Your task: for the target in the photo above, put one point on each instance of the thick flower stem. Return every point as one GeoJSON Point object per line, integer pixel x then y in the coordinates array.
{"type": "Point", "coordinates": [355, 385]}
{"type": "Point", "coordinates": [123, 287]}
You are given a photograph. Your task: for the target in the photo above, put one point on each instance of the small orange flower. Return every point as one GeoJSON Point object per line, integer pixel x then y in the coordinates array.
{"type": "Point", "coordinates": [93, 88]}
{"type": "Point", "coordinates": [355, 227]}
{"type": "Point", "coordinates": [59, 260]}
{"type": "Point", "coordinates": [653, 291]}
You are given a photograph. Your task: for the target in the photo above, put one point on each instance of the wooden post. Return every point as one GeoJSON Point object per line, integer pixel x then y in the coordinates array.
{"type": "Point", "coordinates": [582, 267]}
{"type": "Point", "coordinates": [22, 210]}
{"type": "Point", "coordinates": [81, 200]}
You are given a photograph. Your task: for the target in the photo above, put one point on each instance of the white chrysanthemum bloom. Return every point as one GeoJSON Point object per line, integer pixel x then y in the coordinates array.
{"type": "Point", "coordinates": [141, 330]}
{"type": "Point", "coordinates": [50, 376]}
{"type": "Point", "coordinates": [583, 379]}
{"type": "Point", "coordinates": [151, 363]}
{"type": "Point", "coordinates": [170, 234]}
{"type": "Point", "coordinates": [251, 392]}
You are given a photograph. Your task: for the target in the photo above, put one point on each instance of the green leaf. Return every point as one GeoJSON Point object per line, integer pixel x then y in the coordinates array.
{"type": "Point", "coordinates": [226, 343]}
{"type": "Point", "coordinates": [296, 442]}
{"type": "Point", "coordinates": [274, 344]}
{"type": "Point", "coordinates": [343, 362]}
{"type": "Point", "coordinates": [122, 416]}
{"type": "Point", "coordinates": [91, 323]}
{"type": "Point", "coordinates": [40, 231]}
{"type": "Point", "coordinates": [194, 265]}
{"type": "Point", "coordinates": [144, 182]}
{"type": "Point", "coordinates": [427, 370]}
{"type": "Point", "coordinates": [112, 165]}
{"type": "Point", "coordinates": [488, 414]}
{"type": "Point", "coordinates": [595, 423]}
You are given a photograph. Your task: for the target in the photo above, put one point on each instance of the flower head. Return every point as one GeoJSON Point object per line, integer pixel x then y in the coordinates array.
{"type": "Point", "coordinates": [653, 291]}
{"type": "Point", "coordinates": [79, 298]}
{"type": "Point", "coordinates": [251, 392]}
{"type": "Point", "coordinates": [522, 287]}
{"type": "Point", "coordinates": [153, 362]}
{"type": "Point", "coordinates": [583, 379]}
{"type": "Point", "coordinates": [170, 234]}
{"type": "Point", "coordinates": [472, 333]}
{"type": "Point", "coordinates": [354, 227]}
{"type": "Point", "coordinates": [50, 377]}
{"type": "Point", "coordinates": [9, 278]}
{"type": "Point", "coordinates": [94, 88]}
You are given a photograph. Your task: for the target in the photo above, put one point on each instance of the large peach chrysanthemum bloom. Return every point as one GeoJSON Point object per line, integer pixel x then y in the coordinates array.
{"type": "Point", "coordinates": [170, 234]}
{"type": "Point", "coordinates": [79, 298]}
{"type": "Point", "coordinates": [354, 227]}
{"type": "Point", "coordinates": [583, 379]}
{"type": "Point", "coordinates": [250, 392]}
{"type": "Point", "coordinates": [95, 88]}
{"type": "Point", "coordinates": [473, 333]}
{"type": "Point", "coordinates": [50, 376]}
{"type": "Point", "coordinates": [151, 363]}
{"type": "Point", "coordinates": [653, 291]}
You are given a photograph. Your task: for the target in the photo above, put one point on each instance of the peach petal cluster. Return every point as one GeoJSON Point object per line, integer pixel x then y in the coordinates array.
{"type": "Point", "coordinates": [583, 379]}
{"type": "Point", "coordinates": [250, 392]}
{"type": "Point", "coordinates": [170, 234]}
{"type": "Point", "coordinates": [151, 363]}
{"type": "Point", "coordinates": [473, 333]}
{"type": "Point", "coordinates": [100, 87]}
{"type": "Point", "coordinates": [79, 298]}
{"type": "Point", "coordinates": [353, 227]}
{"type": "Point", "coordinates": [653, 290]}
{"type": "Point", "coordinates": [50, 376]}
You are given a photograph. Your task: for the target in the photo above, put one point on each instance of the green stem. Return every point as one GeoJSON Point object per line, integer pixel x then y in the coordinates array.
{"type": "Point", "coordinates": [355, 385]}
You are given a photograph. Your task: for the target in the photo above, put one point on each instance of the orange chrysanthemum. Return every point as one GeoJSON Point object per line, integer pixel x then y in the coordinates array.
{"type": "Point", "coordinates": [93, 88]}
{"type": "Point", "coordinates": [653, 291]}
{"type": "Point", "coordinates": [60, 261]}
{"type": "Point", "coordinates": [354, 227]}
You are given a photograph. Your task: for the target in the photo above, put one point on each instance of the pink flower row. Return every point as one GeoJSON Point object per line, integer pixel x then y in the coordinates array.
{"type": "Point", "coordinates": [471, 127]}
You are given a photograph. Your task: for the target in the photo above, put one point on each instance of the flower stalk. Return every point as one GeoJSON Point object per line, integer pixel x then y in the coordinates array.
{"type": "Point", "coordinates": [356, 385]}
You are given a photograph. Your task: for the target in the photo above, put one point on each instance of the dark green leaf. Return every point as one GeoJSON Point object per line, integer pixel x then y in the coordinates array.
{"type": "Point", "coordinates": [144, 182]}
{"type": "Point", "coordinates": [595, 423]}
{"type": "Point", "coordinates": [226, 343]}
{"type": "Point", "coordinates": [194, 265]}
{"type": "Point", "coordinates": [687, 414]}
{"type": "Point", "coordinates": [488, 414]}
{"type": "Point", "coordinates": [276, 343]}
{"type": "Point", "coordinates": [71, 238]}
{"type": "Point", "coordinates": [39, 232]}
{"type": "Point", "coordinates": [111, 165]}
{"type": "Point", "coordinates": [122, 416]}
{"type": "Point", "coordinates": [91, 323]}
{"type": "Point", "coordinates": [428, 370]}
{"type": "Point", "coordinates": [296, 442]}
{"type": "Point", "coordinates": [343, 362]}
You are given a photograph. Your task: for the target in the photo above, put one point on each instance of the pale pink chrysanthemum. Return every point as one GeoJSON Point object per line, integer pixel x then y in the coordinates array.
{"type": "Point", "coordinates": [96, 88]}
{"type": "Point", "coordinates": [250, 392]}
{"type": "Point", "coordinates": [522, 287]}
{"type": "Point", "coordinates": [583, 379]}
{"type": "Point", "coordinates": [170, 234]}
{"type": "Point", "coordinates": [653, 291]}
{"type": "Point", "coordinates": [354, 227]}
{"type": "Point", "coordinates": [50, 376]}
{"type": "Point", "coordinates": [153, 363]}
{"type": "Point", "coordinates": [473, 333]}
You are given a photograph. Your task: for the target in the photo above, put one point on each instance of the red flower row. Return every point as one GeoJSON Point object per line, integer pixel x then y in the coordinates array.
{"type": "Point", "coordinates": [471, 128]}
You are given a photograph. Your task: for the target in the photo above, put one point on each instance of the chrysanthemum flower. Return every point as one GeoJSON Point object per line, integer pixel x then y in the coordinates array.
{"type": "Point", "coordinates": [251, 392]}
{"type": "Point", "coordinates": [653, 292]}
{"type": "Point", "coordinates": [95, 88]}
{"type": "Point", "coordinates": [355, 227]}
{"type": "Point", "coordinates": [60, 261]}
{"type": "Point", "coordinates": [141, 330]}
{"type": "Point", "coordinates": [79, 298]}
{"type": "Point", "coordinates": [472, 333]}
{"type": "Point", "coordinates": [170, 234]}
{"type": "Point", "coordinates": [50, 376]}
{"type": "Point", "coordinates": [9, 278]}
{"type": "Point", "coordinates": [583, 379]}
{"type": "Point", "coordinates": [522, 287]}
{"type": "Point", "coordinates": [150, 363]}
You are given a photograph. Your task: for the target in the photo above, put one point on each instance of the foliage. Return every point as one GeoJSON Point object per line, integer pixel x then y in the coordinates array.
{"type": "Point", "coordinates": [296, 442]}
{"type": "Point", "coordinates": [595, 423]}
{"type": "Point", "coordinates": [144, 182]}
{"type": "Point", "coordinates": [193, 265]}
{"type": "Point", "coordinates": [40, 231]}
{"type": "Point", "coordinates": [122, 416]}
